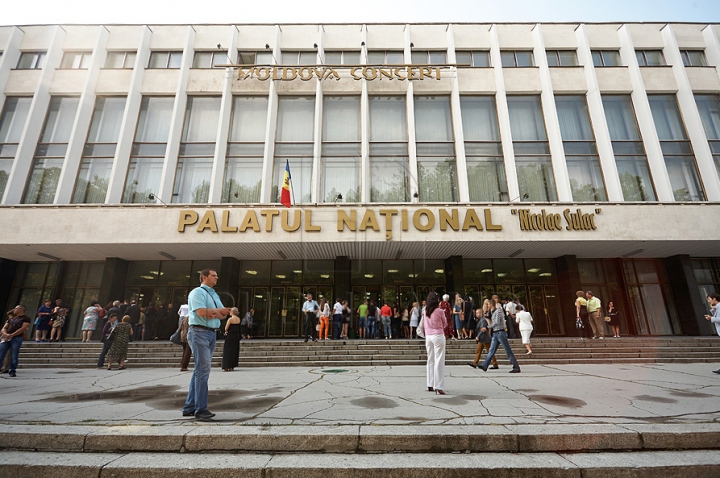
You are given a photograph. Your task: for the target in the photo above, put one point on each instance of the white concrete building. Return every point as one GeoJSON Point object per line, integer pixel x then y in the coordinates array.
{"type": "Point", "coordinates": [528, 160]}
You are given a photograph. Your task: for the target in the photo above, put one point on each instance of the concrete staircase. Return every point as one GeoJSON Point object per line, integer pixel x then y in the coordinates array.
{"type": "Point", "coordinates": [348, 353]}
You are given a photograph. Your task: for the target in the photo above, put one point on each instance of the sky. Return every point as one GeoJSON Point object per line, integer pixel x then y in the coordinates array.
{"type": "Point", "coordinates": [29, 12]}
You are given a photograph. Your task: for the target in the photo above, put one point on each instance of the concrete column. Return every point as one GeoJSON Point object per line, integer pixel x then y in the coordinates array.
{"type": "Point", "coordinates": [36, 119]}
{"type": "Point", "coordinates": [691, 307]}
{"type": "Point", "coordinates": [315, 188]}
{"type": "Point", "coordinates": [229, 282]}
{"type": "Point", "coordinates": [691, 116]}
{"type": "Point", "coordinates": [112, 283]}
{"type": "Point", "coordinates": [8, 269]}
{"type": "Point", "coordinates": [131, 114]}
{"type": "Point", "coordinates": [343, 283]}
{"type": "Point", "coordinates": [9, 60]}
{"type": "Point", "coordinates": [656, 161]}
{"type": "Point", "coordinates": [410, 104]}
{"type": "Point", "coordinates": [365, 127]}
{"type": "Point", "coordinates": [218, 170]}
{"type": "Point", "coordinates": [552, 124]}
{"type": "Point", "coordinates": [568, 283]}
{"type": "Point", "coordinates": [167, 179]}
{"type": "Point", "coordinates": [454, 277]}
{"type": "Point", "coordinates": [613, 186]}
{"type": "Point", "coordinates": [271, 125]}
{"type": "Point", "coordinates": [462, 177]}
{"type": "Point", "coordinates": [83, 117]}
{"type": "Point", "coordinates": [503, 116]}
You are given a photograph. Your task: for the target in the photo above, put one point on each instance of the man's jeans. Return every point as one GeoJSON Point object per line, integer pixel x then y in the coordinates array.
{"type": "Point", "coordinates": [105, 349]}
{"type": "Point", "coordinates": [310, 323]}
{"type": "Point", "coordinates": [371, 327]}
{"type": "Point", "coordinates": [13, 345]}
{"type": "Point", "coordinates": [500, 337]}
{"type": "Point", "coordinates": [386, 325]}
{"type": "Point", "coordinates": [337, 326]}
{"type": "Point", "coordinates": [202, 343]}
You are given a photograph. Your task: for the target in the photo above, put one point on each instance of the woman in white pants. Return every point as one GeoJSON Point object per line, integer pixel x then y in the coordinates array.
{"type": "Point", "coordinates": [525, 320]}
{"type": "Point", "coordinates": [433, 325]}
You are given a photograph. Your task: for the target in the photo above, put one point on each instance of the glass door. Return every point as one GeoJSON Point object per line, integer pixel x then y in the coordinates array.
{"type": "Point", "coordinates": [277, 307]}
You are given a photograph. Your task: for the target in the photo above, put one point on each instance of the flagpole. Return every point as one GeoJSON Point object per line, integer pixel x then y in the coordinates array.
{"type": "Point", "coordinates": [292, 190]}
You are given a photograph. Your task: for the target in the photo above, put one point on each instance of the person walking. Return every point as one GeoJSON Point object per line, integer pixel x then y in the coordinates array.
{"type": "Point", "coordinates": [524, 320]}
{"type": "Point", "coordinates": [483, 338]}
{"type": "Point", "coordinates": [310, 308]}
{"type": "Point", "coordinates": [120, 339]}
{"type": "Point", "coordinates": [581, 320]}
{"type": "Point", "coordinates": [107, 338]}
{"type": "Point", "coordinates": [324, 320]}
{"type": "Point", "coordinates": [337, 316]}
{"type": "Point", "coordinates": [206, 312]}
{"type": "Point", "coordinates": [231, 348]}
{"type": "Point", "coordinates": [614, 315]}
{"type": "Point", "coordinates": [247, 323]}
{"type": "Point", "coordinates": [43, 316]}
{"type": "Point", "coordinates": [371, 322]}
{"type": "Point", "coordinates": [434, 324]}
{"type": "Point", "coordinates": [596, 321]}
{"type": "Point", "coordinates": [12, 335]}
{"type": "Point", "coordinates": [499, 336]}
{"type": "Point", "coordinates": [414, 320]}
{"type": "Point", "coordinates": [385, 316]}
{"type": "Point", "coordinates": [713, 301]}
{"type": "Point", "coordinates": [362, 321]}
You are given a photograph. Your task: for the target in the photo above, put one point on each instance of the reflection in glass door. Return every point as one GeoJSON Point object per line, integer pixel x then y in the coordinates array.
{"type": "Point", "coordinates": [285, 305]}
{"type": "Point", "coordinates": [545, 309]}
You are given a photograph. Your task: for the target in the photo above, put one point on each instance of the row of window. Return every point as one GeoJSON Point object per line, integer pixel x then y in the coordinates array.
{"type": "Point", "coordinates": [341, 161]}
{"type": "Point", "coordinates": [473, 59]}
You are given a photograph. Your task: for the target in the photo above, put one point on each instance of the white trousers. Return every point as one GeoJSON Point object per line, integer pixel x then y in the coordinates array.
{"type": "Point", "coordinates": [435, 346]}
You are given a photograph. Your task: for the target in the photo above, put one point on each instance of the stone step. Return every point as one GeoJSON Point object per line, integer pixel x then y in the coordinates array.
{"type": "Point", "coordinates": [668, 464]}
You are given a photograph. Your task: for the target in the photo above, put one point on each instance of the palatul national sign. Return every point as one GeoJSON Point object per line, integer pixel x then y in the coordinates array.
{"type": "Point", "coordinates": [422, 219]}
{"type": "Point", "coordinates": [321, 72]}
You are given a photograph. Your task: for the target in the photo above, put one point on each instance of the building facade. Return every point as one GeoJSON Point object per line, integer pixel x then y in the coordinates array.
{"type": "Point", "coordinates": [527, 160]}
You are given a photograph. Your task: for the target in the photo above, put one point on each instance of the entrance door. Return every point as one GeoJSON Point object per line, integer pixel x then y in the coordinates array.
{"type": "Point", "coordinates": [285, 305]}
{"type": "Point", "coordinates": [544, 306]}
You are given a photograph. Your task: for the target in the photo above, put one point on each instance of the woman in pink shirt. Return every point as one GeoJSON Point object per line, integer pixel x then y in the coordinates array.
{"type": "Point", "coordinates": [433, 325]}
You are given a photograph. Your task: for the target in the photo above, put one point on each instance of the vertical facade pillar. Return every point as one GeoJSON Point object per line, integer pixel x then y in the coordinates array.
{"type": "Point", "coordinates": [343, 287]}
{"type": "Point", "coordinates": [112, 283]}
{"type": "Point", "coordinates": [8, 269]}
{"type": "Point", "coordinates": [229, 281]}
{"type": "Point", "coordinates": [568, 283]}
{"type": "Point", "coordinates": [691, 307]}
{"type": "Point", "coordinates": [454, 277]}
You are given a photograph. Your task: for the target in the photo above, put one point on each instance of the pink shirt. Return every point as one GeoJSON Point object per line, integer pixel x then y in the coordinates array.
{"type": "Point", "coordinates": [435, 324]}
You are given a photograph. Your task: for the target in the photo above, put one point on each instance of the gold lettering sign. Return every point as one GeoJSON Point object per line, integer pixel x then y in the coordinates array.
{"type": "Point", "coordinates": [369, 73]}
{"type": "Point", "coordinates": [549, 221]}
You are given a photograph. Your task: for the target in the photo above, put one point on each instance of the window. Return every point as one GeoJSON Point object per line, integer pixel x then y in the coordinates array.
{"type": "Point", "coordinates": [99, 152]}
{"type": "Point", "coordinates": [581, 157]}
{"type": "Point", "coordinates": [650, 57]}
{"type": "Point", "coordinates": [120, 59]}
{"type": "Point", "coordinates": [50, 151]}
{"type": "Point", "coordinates": [422, 57]}
{"type": "Point", "coordinates": [12, 124]}
{"type": "Point", "coordinates": [628, 149]}
{"type": "Point", "coordinates": [210, 59]}
{"type": "Point", "coordinates": [677, 151]}
{"type": "Point", "coordinates": [388, 149]}
{"type": "Point", "coordinates": [76, 60]}
{"type": "Point", "coordinates": [709, 108]}
{"type": "Point", "coordinates": [603, 58]}
{"type": "Point", "coordinates": [651, 298]}
{"type": "Point", "coordinates": [294, 144]}
{"type": "Point", "coordinates": [483, 151]}
{"type": "Point", "coordinates": [437, 174]}
{"type": "Point", "coordinates": [517, 59]}
{"type": "Point", "coordinates": [197, 149]}
{"type": "Point", "coordinates": [342, 57]}
{"type": "Point", "coordinates": [532, 152]}
{"type": "Point", "coordinates": [693, 57]}
{"type": "Point", "coordinates": [473, 59]}
{"type": "Point", "coordinates": [299, 58]}
{"type": "Point", "coordinates": [255, 57]}
{"type": "Point", "coordinates": [562, 58]}
{"type": "Point", "coordinates": [165, 59]}
{"type": "Point", "coordinates": [246, 145]}
{"type": "Point", "coordinates": [341, 149]}
{"type": "Point", "coordinates": [148, 151]}
{"type": "Point", "coordinates": [394, 57]}
{"type": "Point", "coordinates": [31, 60]}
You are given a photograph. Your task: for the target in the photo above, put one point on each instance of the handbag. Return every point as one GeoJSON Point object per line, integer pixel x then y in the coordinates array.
{"type": "Point", "coordinates": [37, 320]}
{"type": "Point", "coordinates": [108, 340]}
{"type": "Point", "coordinates": [607, 319]}
{"type": "Point", "coordinates": [420, 331]}
{"type": "Point", "coordinates": [175, 338]}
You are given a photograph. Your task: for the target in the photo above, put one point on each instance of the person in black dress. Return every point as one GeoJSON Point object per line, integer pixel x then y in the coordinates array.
{"type": "Point", "coordinates": [614, 315]}
{"type": "Point", "coordinates": [231, 349]}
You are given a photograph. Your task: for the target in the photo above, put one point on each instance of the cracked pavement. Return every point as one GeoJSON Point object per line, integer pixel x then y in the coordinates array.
{"type": "Point", "coordinates": [562, 394]}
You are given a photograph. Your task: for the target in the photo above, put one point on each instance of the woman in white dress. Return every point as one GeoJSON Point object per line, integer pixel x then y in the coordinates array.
{"type": "Point", "coordinates": [414, 320]}
{"type": "Point", "coordinates": [525, 320]}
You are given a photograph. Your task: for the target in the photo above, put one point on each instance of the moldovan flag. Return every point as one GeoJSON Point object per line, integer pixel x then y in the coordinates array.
{"type": "Point", "coordinates": [285, 193]}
